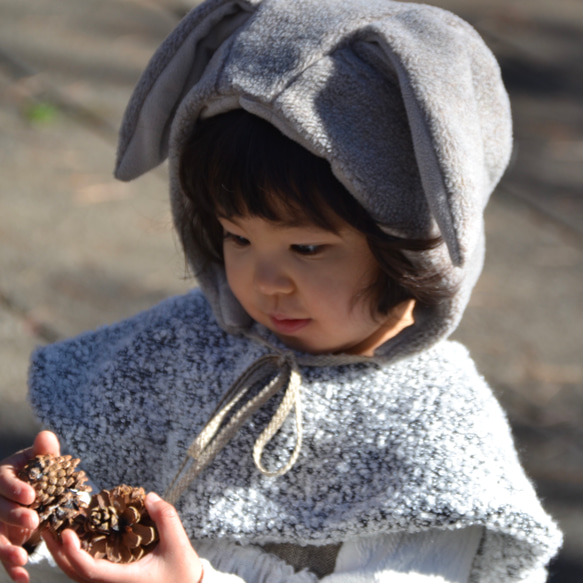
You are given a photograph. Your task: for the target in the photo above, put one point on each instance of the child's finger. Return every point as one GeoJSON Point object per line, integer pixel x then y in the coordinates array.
{"type": "Point", "coordinates": [59, 554]}
{"type": "Point", "coordinates": [15, 515]}
{"type": "Point", "coordinates": [174, 544]}
{"type": "Point", "coordinates": [46, 442]}
{"type": "Point", "coordinates": [16, 535]}
{"type": "Point", "coordinates": [13, 559]}
{"type": "Point", "coordinates": [17, 574]}
{"type": "Point", "coordinates": [11, 487]}
{"type": "Point", "coordinates": [11, 554]}
{"type": "Point", "coordinates": [173, 538]}
{"type": "Point", "coordinates": [80, 566]}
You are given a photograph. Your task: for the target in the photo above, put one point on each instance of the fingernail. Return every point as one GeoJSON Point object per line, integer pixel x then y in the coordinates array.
{"type": "Point", "coordinates": [26, 492]}
{"type": "Point", "coordinates": [72, 538]}
{"type": "Point", "coordinates": [28, 519]}
{"type": "Point", "coordinates": [23, 558]}
{"type": "Point", "coordinates": [154, 497]}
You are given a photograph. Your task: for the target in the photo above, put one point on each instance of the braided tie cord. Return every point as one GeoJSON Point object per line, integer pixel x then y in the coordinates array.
{"type": "Point", "coordinates": [216, 434]}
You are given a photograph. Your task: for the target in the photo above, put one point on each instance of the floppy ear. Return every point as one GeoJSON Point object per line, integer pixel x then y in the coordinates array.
{"type": "Point", "coordinates": [458, 113]}
{"type": "Point", "coordinates": [178, 64]}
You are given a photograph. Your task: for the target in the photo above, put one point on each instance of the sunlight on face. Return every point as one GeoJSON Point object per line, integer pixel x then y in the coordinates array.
{"type": "Point", "coordinates": [305, 284]}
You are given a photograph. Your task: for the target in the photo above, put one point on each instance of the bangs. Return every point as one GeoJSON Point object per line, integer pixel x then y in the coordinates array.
{"type": "Point", "coordinates": [248, 167]}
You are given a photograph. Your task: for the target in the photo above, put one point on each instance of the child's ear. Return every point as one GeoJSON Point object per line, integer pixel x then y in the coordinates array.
{"type": "Point", "coordinates": [175, 68]}
{"type": "Point", "coordinates": [458, 112]}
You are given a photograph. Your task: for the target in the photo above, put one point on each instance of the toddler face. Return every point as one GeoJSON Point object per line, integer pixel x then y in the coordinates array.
{"type": "Point", "coordinates": [302, 282]}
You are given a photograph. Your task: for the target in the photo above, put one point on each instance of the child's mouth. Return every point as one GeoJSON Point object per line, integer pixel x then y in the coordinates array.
{"type": "Point", "coordinates": [289, 325]}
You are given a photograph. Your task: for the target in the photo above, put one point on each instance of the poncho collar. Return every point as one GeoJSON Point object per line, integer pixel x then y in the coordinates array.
{"type": "Point", "coordinates": [276, 372]}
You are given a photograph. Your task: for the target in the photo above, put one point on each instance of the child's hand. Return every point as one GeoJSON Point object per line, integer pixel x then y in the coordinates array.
{"type": "Point", "coordinates": [16, 522]}
{"type": "Point", "coordinates": [174, 559]}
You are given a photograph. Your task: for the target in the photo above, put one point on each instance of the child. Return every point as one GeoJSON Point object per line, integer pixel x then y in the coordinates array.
{"type": "Point", "coordinates": [329, 165]}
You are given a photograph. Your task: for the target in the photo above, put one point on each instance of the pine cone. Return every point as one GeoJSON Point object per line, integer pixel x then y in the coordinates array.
{"type": "Point", "coordinates": [117, 526]}
{"type": "Point", "coordinates": [59, 490]}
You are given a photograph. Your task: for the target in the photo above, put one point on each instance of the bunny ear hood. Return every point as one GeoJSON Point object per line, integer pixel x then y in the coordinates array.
{"type": "Point", "coordinates": [405, 101]}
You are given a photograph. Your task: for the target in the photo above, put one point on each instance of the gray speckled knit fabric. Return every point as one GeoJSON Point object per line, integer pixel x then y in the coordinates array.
{"type": "Point", "coordinates": [418, 444]}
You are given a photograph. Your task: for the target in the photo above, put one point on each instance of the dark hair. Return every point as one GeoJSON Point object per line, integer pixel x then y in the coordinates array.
{"type": "Point", "coordinates": [236, 164]}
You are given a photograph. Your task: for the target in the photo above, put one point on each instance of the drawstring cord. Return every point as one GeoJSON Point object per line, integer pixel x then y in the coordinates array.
{"type": "Point", "coordinates": [282, 369]}
{"type": "Point", "coordinates": [212, 439]}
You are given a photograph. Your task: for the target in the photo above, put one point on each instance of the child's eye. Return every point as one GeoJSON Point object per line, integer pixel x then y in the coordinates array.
{"type": "Point", "coordinates": [236, 239]}
{"type": "Point", "coordinates": [307, 249]}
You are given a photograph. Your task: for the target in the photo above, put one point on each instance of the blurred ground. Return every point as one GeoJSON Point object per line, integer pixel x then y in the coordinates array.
{"type": "Point", "coordinates": [78, 250]}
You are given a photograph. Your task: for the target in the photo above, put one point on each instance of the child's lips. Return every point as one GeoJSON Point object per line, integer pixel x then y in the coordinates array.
{"type": "Point", "coordinates": [289, 325]}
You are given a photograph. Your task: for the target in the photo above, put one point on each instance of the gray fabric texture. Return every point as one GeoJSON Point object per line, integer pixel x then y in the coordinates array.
{"type": "Point", "coordinates": [418, 444]}
{"type": "Point", "coordinates": [405, 101]}
{"type": "Point", "coordinates": [318, 560]}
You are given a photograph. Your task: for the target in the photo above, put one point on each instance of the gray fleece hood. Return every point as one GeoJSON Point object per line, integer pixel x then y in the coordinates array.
{"type": "Point", "coordinates": [405, 101]}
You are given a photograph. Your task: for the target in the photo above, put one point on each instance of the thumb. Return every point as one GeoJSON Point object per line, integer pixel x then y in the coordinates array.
{"type": "Point", "coordinates": [46, 442]}
{"type": "Point", "coordinates": [11, 486]}
{"type": "Point", "coordinates": [173, 537]}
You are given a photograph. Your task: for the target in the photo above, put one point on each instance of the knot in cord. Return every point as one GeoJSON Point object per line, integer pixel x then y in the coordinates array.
{"type": "Point", "coordinates": [218, 431]}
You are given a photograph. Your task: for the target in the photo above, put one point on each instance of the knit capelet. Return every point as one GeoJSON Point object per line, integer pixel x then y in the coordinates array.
{"type": "Point", "coordinates": [421, 443]}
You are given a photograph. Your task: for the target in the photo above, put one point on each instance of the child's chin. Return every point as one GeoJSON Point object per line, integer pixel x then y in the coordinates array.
{"type": "Point", "coordinates": [301, 345]}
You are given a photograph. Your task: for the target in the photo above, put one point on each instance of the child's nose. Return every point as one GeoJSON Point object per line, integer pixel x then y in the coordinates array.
{"type": "Point", "coordinates": [271, 278]}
